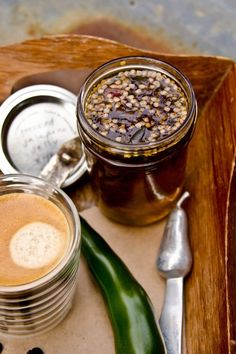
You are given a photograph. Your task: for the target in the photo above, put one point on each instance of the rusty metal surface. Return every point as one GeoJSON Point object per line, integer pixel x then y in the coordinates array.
{"type": "Point", "coordinates": [183, 26]}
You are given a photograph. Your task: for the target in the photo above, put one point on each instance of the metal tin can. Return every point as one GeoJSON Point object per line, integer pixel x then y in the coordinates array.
{"type": "Point", "coordinates": [37, 306]}
{"type": "Point", "coordinates": [124, 111]}
{"type": "Point", "coordinates": [35, 122]}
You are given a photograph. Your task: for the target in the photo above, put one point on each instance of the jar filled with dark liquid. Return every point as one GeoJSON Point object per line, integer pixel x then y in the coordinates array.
{"type": "Point", "coordinates": [136, 116]}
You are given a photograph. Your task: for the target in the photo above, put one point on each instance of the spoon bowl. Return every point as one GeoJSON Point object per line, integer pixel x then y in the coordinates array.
{"type": "Point", "coordinates": [173, 263]}
{"type": "Point", "coordinates": [175, 258]}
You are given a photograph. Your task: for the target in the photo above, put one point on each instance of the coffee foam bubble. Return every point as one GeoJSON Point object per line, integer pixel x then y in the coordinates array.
{"type": "Point", "coordinates": [36, 245]}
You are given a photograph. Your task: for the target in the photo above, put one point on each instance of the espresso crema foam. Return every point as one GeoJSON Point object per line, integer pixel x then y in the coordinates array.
{"type": "Point", "coordinates": [34, 237]}
{"type": "Point", "coordinates": [35, 245]}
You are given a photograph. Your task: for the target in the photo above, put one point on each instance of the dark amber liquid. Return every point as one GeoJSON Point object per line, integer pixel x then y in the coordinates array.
{"type": "Point", "coordinates": [137, 195]}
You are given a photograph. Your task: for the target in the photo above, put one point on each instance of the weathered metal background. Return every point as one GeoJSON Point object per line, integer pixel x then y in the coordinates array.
{"type": "Point", "coordinates": [177, 26]}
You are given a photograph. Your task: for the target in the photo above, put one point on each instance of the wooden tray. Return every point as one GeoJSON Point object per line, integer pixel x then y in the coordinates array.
{"type": "Point", "coordinates": [211, 288]}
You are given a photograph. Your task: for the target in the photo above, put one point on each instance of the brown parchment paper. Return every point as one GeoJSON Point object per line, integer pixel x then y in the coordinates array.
{"type": "Point", "coordinates": [87, 329]}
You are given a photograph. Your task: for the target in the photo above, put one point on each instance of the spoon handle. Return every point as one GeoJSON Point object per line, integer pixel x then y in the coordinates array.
{"type": "Point", "coordinates": [171, 320]}
{"type": "Point", "coordinates": [56, 171]}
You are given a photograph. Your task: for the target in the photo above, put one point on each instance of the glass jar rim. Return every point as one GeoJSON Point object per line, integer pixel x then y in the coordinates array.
{"type": "Point", "coordinates": [32, 181]}
{"type": "Point", "coordinates": [143, 62]}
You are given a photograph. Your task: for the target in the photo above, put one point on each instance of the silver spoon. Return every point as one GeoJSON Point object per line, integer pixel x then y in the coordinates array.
{"type": "Point", "coordinates": [62, 164]}
{"type": "Point", "coordinates": [173, 263]}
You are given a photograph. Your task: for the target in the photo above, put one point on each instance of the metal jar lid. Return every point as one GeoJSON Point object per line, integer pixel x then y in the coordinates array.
{"type": "Point", "coordinates": [34, 122]}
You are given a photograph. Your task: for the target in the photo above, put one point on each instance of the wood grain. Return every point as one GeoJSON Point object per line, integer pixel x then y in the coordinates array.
{"type": "Point", "coordinates": [81, 52]}
{"type": "Point", "coordinates": [210, 290]}
{"type": "Point", "coordinates": [229, 90]}
{"type": "Point", "coordinates": [210, 161]}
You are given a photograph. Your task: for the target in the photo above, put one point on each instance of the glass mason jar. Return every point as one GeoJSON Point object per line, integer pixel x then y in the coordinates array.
{"type": "Point", "coordinates": [39, 305]}
{"type": "Point", "coordinates": [136, 183]}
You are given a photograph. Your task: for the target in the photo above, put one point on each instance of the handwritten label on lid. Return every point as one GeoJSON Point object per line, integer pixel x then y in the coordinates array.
{"type": "Point", "coordinates": [37, 133]}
